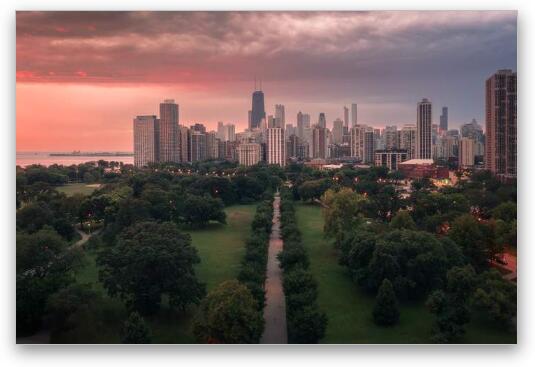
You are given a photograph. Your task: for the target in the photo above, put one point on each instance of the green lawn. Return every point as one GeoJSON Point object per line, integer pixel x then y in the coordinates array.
{"type": "Point", "coordinates": [349, 309]}
{"type": "Point", "coordinates": [221, 248]}
{"type": "Point", "coordinates": [78, 188]}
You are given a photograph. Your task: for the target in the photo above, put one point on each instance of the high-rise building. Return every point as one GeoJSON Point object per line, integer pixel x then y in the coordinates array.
{"type": "Point", "coordinates": [249, 154]}
{"type": "Point", "coordinates": [185, 144]}
{"type": "Point", "coordinates": [407, 140]}
{"type": "Point", "coordinates": [276, 146]}
{"type": "Point", "coordinates": [346, 119]}
{"type": "Point", "coordinates": [500, 116]}
{"type": "Point", "coordinates": [303, 122]}
{"type": "Point", "coordinates": [319, 142]}
{"type": "Point", "coordinates": [369, 146]}
{"type": "Point", "coordinates": [423, 129]}
{"type": "Point", "coordinates": [292, 146]}
{"type": "Point", "coordinates": [221, 130]}
{"type": "Point", "coordinates": [168, 131]}
{"type": "Point", "coordinates": [146, 140]}
{"type": "Point", "coordinates": [391, 137]}
{"type": "Point", "coordinates": [444, 119]}
{"type": "Point", "coordinates": [280, 115]}
{"type": "Point", "coordinates": [353, 114]}
{"type": "Point", "coordinates": [290, 130]}
{"type": "Point", "coordinates": [212, 147]}
{"type": "Point", "coordinates": [198, 146]}
{"type": "Point", "coordinates": [338, 131]}
{"type": "Point", "coordinates": [357, 142]}
{"type": "Point", "coordinates": [257, 112]}
{"type": "Point", "coordinates": [466, 153]}
{"type": "Point", "coordinates": [322, 121]}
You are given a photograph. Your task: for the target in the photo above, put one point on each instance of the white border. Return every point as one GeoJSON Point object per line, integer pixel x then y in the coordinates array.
{"type": "Point", "coordinates": [520, 355]}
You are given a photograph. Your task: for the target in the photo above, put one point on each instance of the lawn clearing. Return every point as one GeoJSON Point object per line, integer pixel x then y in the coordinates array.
{"type": "Point", "coordinates": [349, 309]}
{"type": "Point", "coordinates": [78, 188]}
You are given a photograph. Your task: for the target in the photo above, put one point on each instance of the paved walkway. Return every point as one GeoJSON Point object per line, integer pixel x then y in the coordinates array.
{"type": "Point", "coordinates": [275, 311]}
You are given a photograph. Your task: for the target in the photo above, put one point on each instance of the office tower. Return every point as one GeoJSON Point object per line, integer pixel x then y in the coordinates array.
{"type": "Point", "coordinates": [221, 130]}
{"type": "Point", "coordinates": [338, 131]}
{"type": "Point", "coordinates": [407, 140]}
{"type": "Point", "coordinates": [212, 151]}
{"type": "Point", "coordinates": [472, 130]}
{"type": "Point", "coordinates": [308, 139]}
{"type": "Point", "coordinates": [290, 130]}
{"type": "Point", "coordinates": [146, 140]}
{"type": "Point", "coordinates": [357, 142]}
{"type": "Point", "coordinates": [466, 153]}
{"type": "Point", "coordinates": [279, 115]}
{"type": "Point", "coordinates": [322, 122]}
{"type": "Point", "coordinates": [249, 154]}
{"type": "Point", "coordinates": [228, 150]}
{"type": "Point", "coordinates": [369, 146]}
{"type": "Point", "coordinates": [198, 127]}
{"type": "Point", "coordinates": [168, 131]}
{"type": "Point", "coordinates": [450, 146]}
{"type": "Point", "coordinates": [500, 148]}
{"type": "Point", "coordinates": [276, 146]}
{"type": "Point", "coordinates": [390, 158]}
{"type": "Point", "coordinates": [319, 142]}
{"type": "Point", "coordinates": [423, 129]}
{"type": "Point", "coordinates": [249, 116]}
{"type": "Point", "coordinates": [198, 146]}
{"type": "Point", "coordinates": [257, 112]}
{"type": "Point", "coordinates": [292, 146]}
{"type": "Point", "coordinates": [346, 119]}
{"type": "Point", "coordinates": [303, 122]}
{"type": "Point", "coordinates": [391, 137]}
{"type": "Point", "coordinates": [353, 114]}
{"type": "Point", "coordinates": [444, 119]}
{"type": "Point", "coordinates": [185, 144]}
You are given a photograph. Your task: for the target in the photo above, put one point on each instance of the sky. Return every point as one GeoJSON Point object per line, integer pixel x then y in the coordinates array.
{"type": "Point", "coordinates": [83, 76]}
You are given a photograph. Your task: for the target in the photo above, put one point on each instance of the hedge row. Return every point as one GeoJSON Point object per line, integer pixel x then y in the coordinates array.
{"type": "Point", "coordinates": [305, 321]}
{"type": "Point", "coordinates": [253, 265]}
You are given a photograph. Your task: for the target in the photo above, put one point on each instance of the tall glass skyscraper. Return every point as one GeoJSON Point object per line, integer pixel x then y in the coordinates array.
{"type": "Point", "coordinates": [257, 112]}
{"type": "Point", "coordinates": [169, 143]}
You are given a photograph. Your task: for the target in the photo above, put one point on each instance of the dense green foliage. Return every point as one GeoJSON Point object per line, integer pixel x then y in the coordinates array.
{"type": "Point", "coordinates": [151, 260]}
{"type": "Point", "coordinates": [386, 309]}
{"type": "Point", "coordinates": [135, 330]}
{"type": "Point", "coordinates": [306, 323]}
{"type": "Point", "coordinates": [229, 314]}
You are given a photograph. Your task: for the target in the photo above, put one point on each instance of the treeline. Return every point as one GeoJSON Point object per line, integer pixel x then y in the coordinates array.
{"type": "Point", "coordinates": [233, 312]}
{"type": "Point", "coordinates": [306, 323]}
{"type": "Point", "coordinates": [399, 261]}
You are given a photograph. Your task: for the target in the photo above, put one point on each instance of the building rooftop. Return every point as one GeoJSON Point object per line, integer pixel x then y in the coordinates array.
{"type": "Point", "coordinates": [418, 161]}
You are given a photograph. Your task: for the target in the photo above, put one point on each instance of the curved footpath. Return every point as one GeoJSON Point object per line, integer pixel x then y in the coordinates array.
{"type": "Point", "coordinates": [275, 311]}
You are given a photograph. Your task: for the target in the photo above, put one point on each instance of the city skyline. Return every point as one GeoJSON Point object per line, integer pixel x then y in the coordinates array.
{"type": "Point", "coordinates": [448, 66]}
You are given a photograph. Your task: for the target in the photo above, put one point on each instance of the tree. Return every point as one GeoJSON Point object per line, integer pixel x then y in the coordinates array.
{"type": "Point", "coordinates": [403, 220]}
{"type": "Point", "coordinates": [199, 210]}
{"type": "Point", "coordinates": [496, 297]}
{"type": "Point", "coordinates": [34, 216]}
{"type": "Point", "coordinates": [135, 330]}
{"type": "Point", "coordinates": [451, 304]}
{"type": "Point", "coordinates": [150, 260]}
{"type": "Point", "coordinates": [342, 210]}
{"type": "Point", "coordinates": [44, 265]}
{"type": "Point", "coordinates": [505, 211]}
{"type": "Point", "coordinates": [313, 189]}
{"type": "Point", "coordinates": [386, 309]}
{"type": "Point", "coordinates": [229, 314]}
{"type": "Point", "coordinates": [467, 233]}
{"type": "Point", "coordinates": [307, 325]}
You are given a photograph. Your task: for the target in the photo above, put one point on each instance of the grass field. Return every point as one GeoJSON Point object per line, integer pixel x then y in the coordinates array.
{"type": "Point", "coordinates": [349, 309]}
{"type": "Point", "coordinates": [220, 247]}
{"type": "Point", "coordinates": [78, 188]}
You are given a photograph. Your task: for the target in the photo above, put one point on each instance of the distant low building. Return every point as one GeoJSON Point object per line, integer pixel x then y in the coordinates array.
{"type": "Point", "coordinates": [422, 168]}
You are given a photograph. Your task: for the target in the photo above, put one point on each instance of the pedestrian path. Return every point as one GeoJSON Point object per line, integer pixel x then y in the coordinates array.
{"type": "Point", "coordinates": [275, 311]}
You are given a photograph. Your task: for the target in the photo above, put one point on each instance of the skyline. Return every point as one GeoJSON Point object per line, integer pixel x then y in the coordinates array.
{"type": "Point", "coordinates": [384, 61]}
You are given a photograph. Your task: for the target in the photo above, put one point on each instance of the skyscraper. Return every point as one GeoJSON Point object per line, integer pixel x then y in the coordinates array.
{"type": "Point", "coordinates": [466, 153]}
{"type": "Point", "coordinates": [444, 119]}
{"type": "Point", "coordinates": [257, 112]}
{"type": "Point", "coordinates": [168, 141]}
{"type": "Point", "coordinates": [391, 137]}
{"type": "Point", "coordinates": [322, 121]}
{"type": "Point", "coordinates": [346, 119]}
{"type": "Point", "coordinates": [280, 115]}
{"type": "Point", "coordinates": [500, 118]}
{"type": "Point", "coordinates": [407, 140]}
{"type": "Point", "coordinates": [319, 142]}
{"type": "Point", "coordinates": [338, 131]}
{"type": "Point", "coordinates": [146, 140]}
{"type": "Point", "coordinates": [423, 129]}
{"type": "Point", "coordinates": [276, 146]}
{"type": "Point", "coordinates": [185, 143]}
{"type": "Point", "coordinates": [198, 146]}
{"type": "Point", "coordinates": [353, 114]}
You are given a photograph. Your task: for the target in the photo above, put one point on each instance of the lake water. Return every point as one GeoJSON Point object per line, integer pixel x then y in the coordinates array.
{"type": "Point", "coordinates": [44, 158]}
